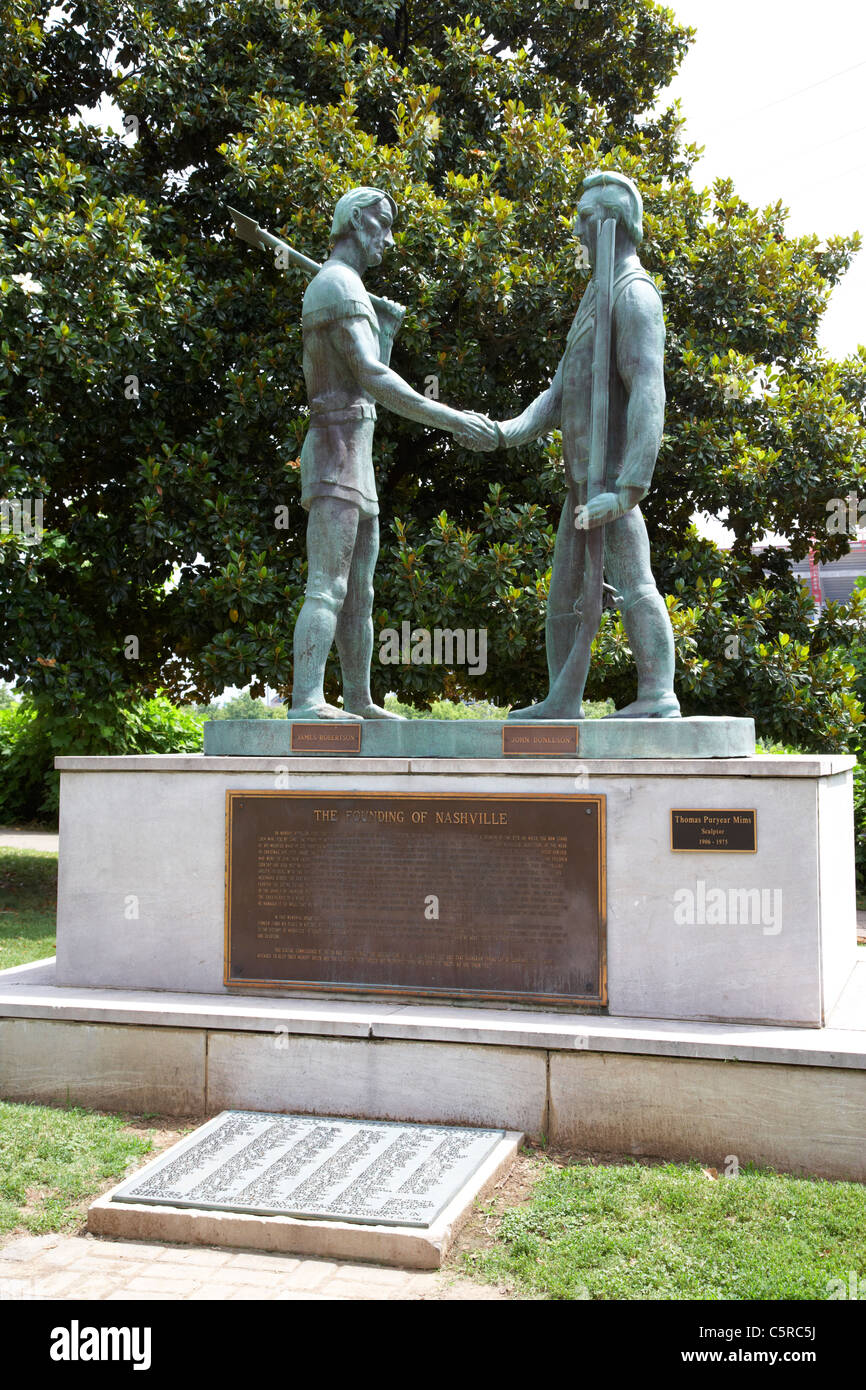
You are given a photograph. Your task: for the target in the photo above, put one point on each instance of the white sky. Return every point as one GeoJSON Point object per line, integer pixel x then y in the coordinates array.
{"type": "Point", "coordinates": [741, 91]}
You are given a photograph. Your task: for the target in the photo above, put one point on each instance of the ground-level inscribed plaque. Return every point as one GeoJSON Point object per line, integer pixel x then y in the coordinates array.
{"type": "Point", "coordinates": [714, 831]}
{"type": "Point", "coordinates": [498, 897]}
{"type": "Point", "coordinates": [539, 740]}
{"type": "Point", "coordinates": [370, 1172]}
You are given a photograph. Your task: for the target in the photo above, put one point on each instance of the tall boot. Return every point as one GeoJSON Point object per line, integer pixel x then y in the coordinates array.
{"type": "Point", "coordinates": [648, 627]}
{"type": "Point", "coordinates": [560, 631]}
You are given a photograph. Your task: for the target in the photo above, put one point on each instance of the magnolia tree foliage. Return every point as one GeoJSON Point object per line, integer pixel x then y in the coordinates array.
{"type": "Point", "coordinates": [150, 364]}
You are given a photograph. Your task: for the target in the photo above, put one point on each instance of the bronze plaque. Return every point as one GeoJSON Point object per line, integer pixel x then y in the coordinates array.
{"type": "Point", "coordinates": [326, 738]}
{"type": "Point", "coordinates": [714, 832]}
{"type": "Point", "coordinates": [453, 896]}
{"type": "Point", "coordinates": [536, 740]}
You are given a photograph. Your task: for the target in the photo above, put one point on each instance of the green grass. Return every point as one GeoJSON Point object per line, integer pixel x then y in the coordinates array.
{"type": "Point", "coordinates": [28, 906]}
{"type": "Point", "coordinates": [634, 1231]}
{"type": "Point", "coordinates": [51, 1160]}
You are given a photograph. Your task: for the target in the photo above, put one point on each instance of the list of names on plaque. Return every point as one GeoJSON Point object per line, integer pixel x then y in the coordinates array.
{"type": "Point", "coordinates": [367, 1171]}
{"type": "Point", "coordinates": [454, 895]}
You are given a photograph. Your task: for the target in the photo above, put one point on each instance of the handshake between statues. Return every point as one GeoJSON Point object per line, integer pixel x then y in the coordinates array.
{"type": "Point", "coordinates": [612, 370]}
{"type": "Point", "coordinates": [474, 431]}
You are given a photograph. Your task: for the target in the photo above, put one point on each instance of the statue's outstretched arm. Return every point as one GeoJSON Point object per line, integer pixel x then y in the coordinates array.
{"type": "Point", "coordinates": [361, 353]}
{"type": "Point", "coordinates": [540, 418]}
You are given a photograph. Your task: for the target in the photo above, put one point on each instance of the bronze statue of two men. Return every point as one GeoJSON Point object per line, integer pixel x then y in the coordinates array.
{"type": "Point", "coordinates": [608, 399]}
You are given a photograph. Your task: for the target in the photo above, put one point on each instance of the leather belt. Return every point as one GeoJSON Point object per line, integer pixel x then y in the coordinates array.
{"type": "Point", "coordinates": [362, 411]}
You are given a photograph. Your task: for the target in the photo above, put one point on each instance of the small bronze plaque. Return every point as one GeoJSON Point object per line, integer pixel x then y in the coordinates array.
{"type": "Point", "coordinates": [326, 738]}
{"type": "Point", "coordinates": [715, 832]}
{"type": "Point", "coordinates": [448, 895]}
{"type": "Point", "coordinates": [536, 740]}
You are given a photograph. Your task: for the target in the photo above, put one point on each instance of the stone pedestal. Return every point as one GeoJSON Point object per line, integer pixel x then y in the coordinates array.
{"type": "Point", "coordinates": [713, 958]}
{"type": "Point", "coordinates": [763, 937]}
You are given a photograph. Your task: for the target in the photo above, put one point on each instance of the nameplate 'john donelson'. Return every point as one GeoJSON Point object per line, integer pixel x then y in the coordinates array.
{"type": "Point", "coordinates": [715, 832]}
{"type": "Point", "coordinates": [498, 897]}
{"type": "Point", "coordinates": [535, 740]}
{"type": "Point", "coordinates": [326, 738]}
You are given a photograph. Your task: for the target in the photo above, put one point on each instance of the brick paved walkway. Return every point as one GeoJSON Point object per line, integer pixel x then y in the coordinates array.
{"type": "Point", "coordinates": [90, 1267]}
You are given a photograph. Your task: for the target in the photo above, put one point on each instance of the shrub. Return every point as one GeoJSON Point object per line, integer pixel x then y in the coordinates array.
{"type": "Point", "coordinates": [33, 734]}
{"type": "Point", "coordinates": [243, 706]}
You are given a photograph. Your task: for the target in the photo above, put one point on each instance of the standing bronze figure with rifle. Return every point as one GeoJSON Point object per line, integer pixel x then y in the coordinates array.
{"type": "Point", "coordinates": [348, 336]}
{"type": "Point", "coordinates": [608, 397]}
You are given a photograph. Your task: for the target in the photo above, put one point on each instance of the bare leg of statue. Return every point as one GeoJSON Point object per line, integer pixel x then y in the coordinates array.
{"type": "Point", "coordinates": [332, 530]}
{"type": "Point", "coordinates": [355, 625]}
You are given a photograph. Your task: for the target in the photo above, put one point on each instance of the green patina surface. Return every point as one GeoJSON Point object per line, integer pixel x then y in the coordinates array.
{"type": "Point", "coordinates": [482, 738]}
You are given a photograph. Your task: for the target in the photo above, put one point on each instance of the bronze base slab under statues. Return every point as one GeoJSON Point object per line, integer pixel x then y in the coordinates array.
{"type": "Point", "coordinates": [700, 737]}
